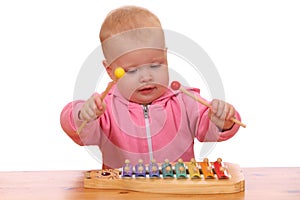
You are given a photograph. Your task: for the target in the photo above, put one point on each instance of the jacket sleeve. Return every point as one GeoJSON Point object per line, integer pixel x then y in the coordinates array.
{"type": "Point", "coordinates": [205, 130]}
{"type": "Point", "coordinates": [70, 122]}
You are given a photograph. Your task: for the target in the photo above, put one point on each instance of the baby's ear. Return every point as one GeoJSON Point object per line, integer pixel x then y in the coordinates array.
{"type": "Point", "coordinates": [108, 68]}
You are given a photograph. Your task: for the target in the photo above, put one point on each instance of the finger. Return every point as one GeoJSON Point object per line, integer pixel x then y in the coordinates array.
{"type": "Point", "coordinates": [100, 112]}
{"type": "Point", "coordinates": [80, 115]}
{"type": "Point", "coordinates": [220, 109]}
{"type": "Point", "coordinates": [214, 105]}
{"type": "Point", "coordinates": [231, 112]}
{"type": "Point", "coordinates": [98, 102]}
{"type": "Point", "coordinates": [90, 109]}
{"type": "Point", "coordinates": [225, 111]}
{"type": "Point", "coordinates": [103, 106]}
{"type": "Point", "coordinates": [83, 115]}
{"type": "Point", "coordinates": [90, 112]}
{"type": "Point", "coordinates": [217, 121]}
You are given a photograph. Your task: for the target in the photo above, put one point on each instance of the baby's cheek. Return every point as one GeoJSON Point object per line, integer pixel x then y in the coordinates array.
{"type": "Point", "coordinates": [163, 77]}
{"type": "Point", "coordinates": [125, 88]}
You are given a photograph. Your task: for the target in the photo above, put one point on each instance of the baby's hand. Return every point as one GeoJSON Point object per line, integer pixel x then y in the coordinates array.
{"type": "Point", "coordinates": [92, 108]}
{"type": "Point", "coordinates": [220, 114]}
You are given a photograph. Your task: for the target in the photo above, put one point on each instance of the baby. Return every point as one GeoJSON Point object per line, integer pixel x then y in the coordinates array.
{"type": "Point", "coordinates": [141, 117]}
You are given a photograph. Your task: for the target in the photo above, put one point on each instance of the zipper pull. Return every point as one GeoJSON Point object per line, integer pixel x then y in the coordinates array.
{"type": "Point", "coordinates": [146, 114]}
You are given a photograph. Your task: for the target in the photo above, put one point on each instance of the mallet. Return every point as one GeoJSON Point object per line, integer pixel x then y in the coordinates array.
{"type": "Point", "coordinates": [119, 73]}
{"type": "Point", "coordinates": [175, 85]}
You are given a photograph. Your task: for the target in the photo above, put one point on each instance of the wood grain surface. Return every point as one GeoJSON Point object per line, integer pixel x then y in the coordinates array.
{"type": "Point", "coordinates": [260, 183]}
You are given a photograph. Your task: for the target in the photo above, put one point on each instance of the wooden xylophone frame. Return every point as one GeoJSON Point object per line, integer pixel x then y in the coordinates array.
{"type": "Point", "coordinates": [235, 183]}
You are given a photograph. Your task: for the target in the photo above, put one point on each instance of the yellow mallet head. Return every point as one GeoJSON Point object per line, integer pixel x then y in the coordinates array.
{"type": "Point", "coordinates": [119, 72]}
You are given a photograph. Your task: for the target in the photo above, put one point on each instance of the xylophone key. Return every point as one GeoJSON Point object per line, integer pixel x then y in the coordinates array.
{"type": "Point", "coordinates": [206, 169]}
{"type": "Point", "coordinates": [154, 169]}
{"type": "Point", "coordinates": [127, 169]}
{"type": "Point", "coordinates": [193, 169]}
{"type": "Point", "coordinates": [167, 170]}
{"type": "Point", "coordinates": [220, 170]}
{"type": "Point", "coordinates": [180, 169]}
{"type": "Point", "coordinates": [140, 169]}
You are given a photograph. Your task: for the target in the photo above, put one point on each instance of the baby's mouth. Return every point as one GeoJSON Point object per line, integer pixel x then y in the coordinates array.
{"type": "Point", "coordinates": [146, 90]}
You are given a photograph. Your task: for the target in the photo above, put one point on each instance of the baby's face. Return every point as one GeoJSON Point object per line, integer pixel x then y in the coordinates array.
{"type": "Point", "coordinates": [146, 77]}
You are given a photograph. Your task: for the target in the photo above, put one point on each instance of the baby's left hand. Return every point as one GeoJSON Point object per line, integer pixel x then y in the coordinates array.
{"type": "Point", "coordinates": [220, 114]}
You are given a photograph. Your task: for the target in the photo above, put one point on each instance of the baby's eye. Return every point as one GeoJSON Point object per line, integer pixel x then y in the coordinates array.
{"type": "Point", "coordinates": [155, 65]}
{"type": "Point", "coordinates": [131, 70]}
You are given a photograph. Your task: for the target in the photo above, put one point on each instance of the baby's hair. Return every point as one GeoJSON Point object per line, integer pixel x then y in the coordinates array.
{"type": "Point", "coordinates": [127, 18]}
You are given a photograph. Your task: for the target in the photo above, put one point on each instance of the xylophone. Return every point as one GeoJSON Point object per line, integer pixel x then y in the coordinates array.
{"type": "Point", "coordinates": [177, 178]}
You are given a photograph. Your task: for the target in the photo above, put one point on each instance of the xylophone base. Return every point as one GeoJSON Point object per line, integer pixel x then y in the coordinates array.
{"type": "Point", "coordinates": [234, 184]}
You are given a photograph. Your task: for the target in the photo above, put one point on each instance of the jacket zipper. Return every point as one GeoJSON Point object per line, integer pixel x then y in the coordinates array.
{"type": "Point", "coordinates": [148, 133]}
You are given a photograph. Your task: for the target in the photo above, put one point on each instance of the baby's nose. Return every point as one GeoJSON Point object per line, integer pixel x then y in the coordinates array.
{"type": "Point", "coordinates": [145, 75]}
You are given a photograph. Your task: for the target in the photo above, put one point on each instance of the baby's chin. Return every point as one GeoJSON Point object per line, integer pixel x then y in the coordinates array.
{"type": "Point", "coordinates": [143, 102]}
{"type": "Point", "coordinates": [147, 101]}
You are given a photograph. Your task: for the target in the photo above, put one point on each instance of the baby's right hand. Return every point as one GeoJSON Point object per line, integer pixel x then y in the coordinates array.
{"type": "Point", "coordinates": [92, 108]}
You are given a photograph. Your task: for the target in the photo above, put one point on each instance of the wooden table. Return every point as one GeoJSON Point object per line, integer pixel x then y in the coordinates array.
{"type": "Point", "coordinates": [261, 183]}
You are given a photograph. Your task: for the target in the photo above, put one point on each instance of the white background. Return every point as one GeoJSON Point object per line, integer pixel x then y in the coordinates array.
{"type": "Point", "coordinates": [255, 46]}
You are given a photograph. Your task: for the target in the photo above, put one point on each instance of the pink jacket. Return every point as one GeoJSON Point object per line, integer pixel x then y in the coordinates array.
{"type": "Point", "coordinates": [163, 130]}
